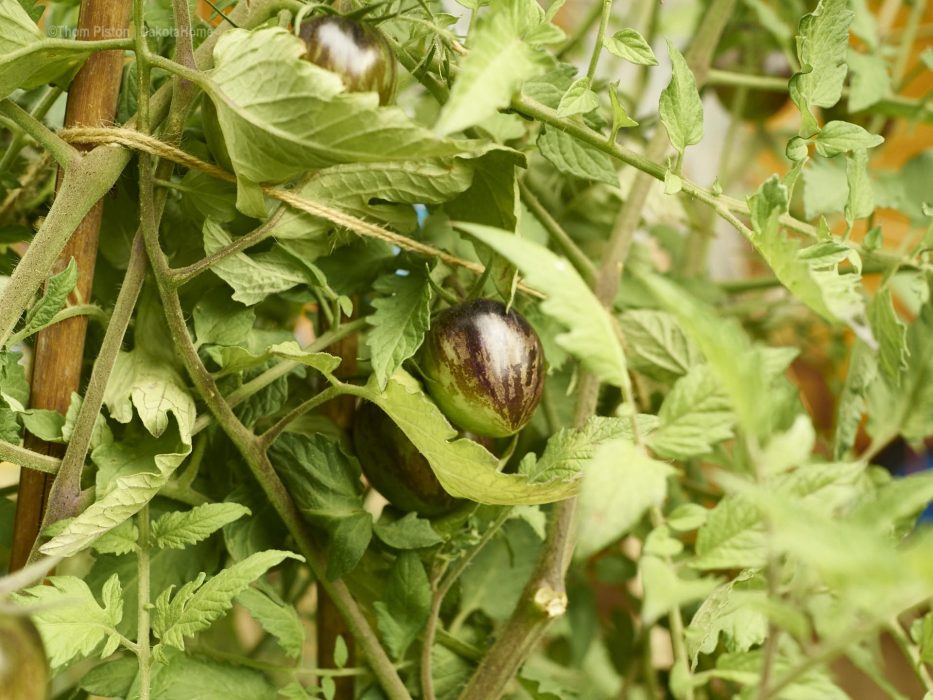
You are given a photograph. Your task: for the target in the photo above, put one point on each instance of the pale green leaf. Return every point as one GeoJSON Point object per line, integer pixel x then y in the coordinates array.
{"type": "Point", "coordinates": [838, 137]}
{"type": "Point", "coordinates": [680, 107]}
{"type": "Point", "coordinates": [56, 294]}
{"type": "Point", "coordinates": [210, 197]}
{"type": "Point", "coordinates": [401, 318]}
{"type": "Point", "coordinates": [579, 99]}
{"type": "Point", "coordinates": [137, 469]}
{"type": "Point", "coordinates": [323, 362]}
{"type": "Point", "coordinates": [572, 157]}
{"type": "Point", "coordinates": [655, 345]}
{"type": "Point", "coordinates": [822, 47]}
{"type": "Point", "coordinates": [695, 416]}
{"type": "Point", "coordinates": [665, 590]}
{"type": "Point", "coordinates": [408, 532]}
{"type": "Point", "coordinates": [281, 115]}
{"type": "Point", "coordinates": [811, 274]}
{"type": "Point", "coordinates": [27, 58]}
{"type": "Point", "coordinates": [568, 451]}
{"type": "Point", "coordinates": [277, 618]}
{"type": "Point", "coordinates": [891, 333]}
{"type": "Point", "coordinates": [861, 200]}
{"type": "Point", "coordinates": [825, 187]}
{"type": "Point", "coordinates": [253, 277]}
{"type": "Point", "coordinates": [198, 603]}
{"type": "Point", "coordinates": [728, 612]}
{"type": "Point", "coordinates": [499, 62]}
{"type": "Point", "coordinates": [365, 189]}
{"type": "Point", "coordinates": [218, 319]}
{"type": "Point", "coordinates": [178, 529]}
{"type": "Point", "coordinates": [621, 482]}
{"type": "Point", "coordinates": [631, 45]}
{"type": "Point", "coordinates": [72, 623]}
{"type": "Point", "coordinates": [403, 610]}
{"type": "Point", "coordinates": [44, 423]}
{"type": "Point", "coordinates": [863, 368]}
{"type": "Point", "coordinates": [870, 82]}
{"type": "Point", "coordinates": [120, 540]}
{"type": "Point", "coordinates": [155, 389]}
{"type": "Point", "coordinates": [735, 361]}
{"type": "Point", "coordinates": [185, 677]}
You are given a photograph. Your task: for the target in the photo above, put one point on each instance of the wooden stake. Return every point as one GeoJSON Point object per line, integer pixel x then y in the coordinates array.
{"type": "Point", "coordinates": [59, 350]}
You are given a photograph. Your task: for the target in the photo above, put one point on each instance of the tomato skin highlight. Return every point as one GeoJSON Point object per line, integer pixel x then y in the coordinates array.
{"type": "Point", "coordinates": [358, 53]}
{"type": "Point", "coordinates": [393, 465]}
{"type": "Point", "coordinates": [24, 670]}
{"type": "Point", "coordinates": [484, 367]}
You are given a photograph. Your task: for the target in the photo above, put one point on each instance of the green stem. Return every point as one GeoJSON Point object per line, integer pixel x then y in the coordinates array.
{"type": "Point", "coordinates": [183, 494]}
{"type": "Point", "coordinates": [177, 69]}
{"type": "Point", "coordinates": [28, 459]}
{"type": "Point", "coordinates": [90, 310]}
{"type": "Point", "coordinates": [41, 109]}
{"type": "Point", "coordinates": [715, 76]}
{"type": "Point", "coordinates": [63, 153]}
{"type": "Point", "coordinates": [66, 489]}
{"type": "Point", "coordinates": [568, 246]}
{"type": "Point", "coordinates": [256, 384]}
{"type": "Point", "coordinates": [892, 106]}
{"type": "Point", "coordinates": [143, 649]}
{"type": "Point", "coordinates": [268, 437]}
{"type": "Point", "coordinates": [180, 276]}
{"type": "Point", "coordinates": [458, 646]}
{"type": "Point", "coordinates": [89, 178]}
{"type": "Point", "coordinates": [600, 34]}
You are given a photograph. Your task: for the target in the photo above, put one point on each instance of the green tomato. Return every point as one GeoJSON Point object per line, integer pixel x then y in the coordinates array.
{"type": "Point", "coordinates": [393, 465]}
{"type": "Point", "coordinates": [24, 670]}
{"type": "Point", "coordinates": [358, 53]}
{"type": "Point", "coordinates": [484, 367]}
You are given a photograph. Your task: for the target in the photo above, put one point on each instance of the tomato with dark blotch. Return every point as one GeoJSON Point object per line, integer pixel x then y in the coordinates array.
{"type": "Point", "coordinates": [358, 53]}
{"type": "Point", "coordinates": [747, 48]}
{"type": "Point", "coordinates": [393, 465]}
{"type": "Point", "coordinates": [24, 670]}
{"type": "Point", "coordinates": [484, 367]}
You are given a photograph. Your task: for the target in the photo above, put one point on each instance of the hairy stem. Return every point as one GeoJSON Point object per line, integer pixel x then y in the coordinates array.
{"type": "Point", "coordinates": [63, 153]}
{"type": "Point", "coordinates": [142, 609]}
{"type": "Point", "coordinates": [605, 13]}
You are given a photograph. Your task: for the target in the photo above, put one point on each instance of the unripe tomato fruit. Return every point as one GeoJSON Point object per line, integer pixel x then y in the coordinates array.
{"type": "Point", "coordinates": [24, 670]}
{"type": "Point", "coordinates": [484, 367]}
{"type": "Point", "coordinates": [359, 54]}
{"type": "Point", "coordinates": [393, 465]}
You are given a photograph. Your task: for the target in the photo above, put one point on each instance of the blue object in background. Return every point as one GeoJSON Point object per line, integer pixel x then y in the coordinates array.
{"type": "Point", "coordinates": [421, 211]}
{"type": "Point", "coordinates": [899, 459]}
{"type": "Point", "coordinates": [915, 463]}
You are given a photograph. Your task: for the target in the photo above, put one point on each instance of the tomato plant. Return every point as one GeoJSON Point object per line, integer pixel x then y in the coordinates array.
{"type": "Point", "coordinates": [368, 350]}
